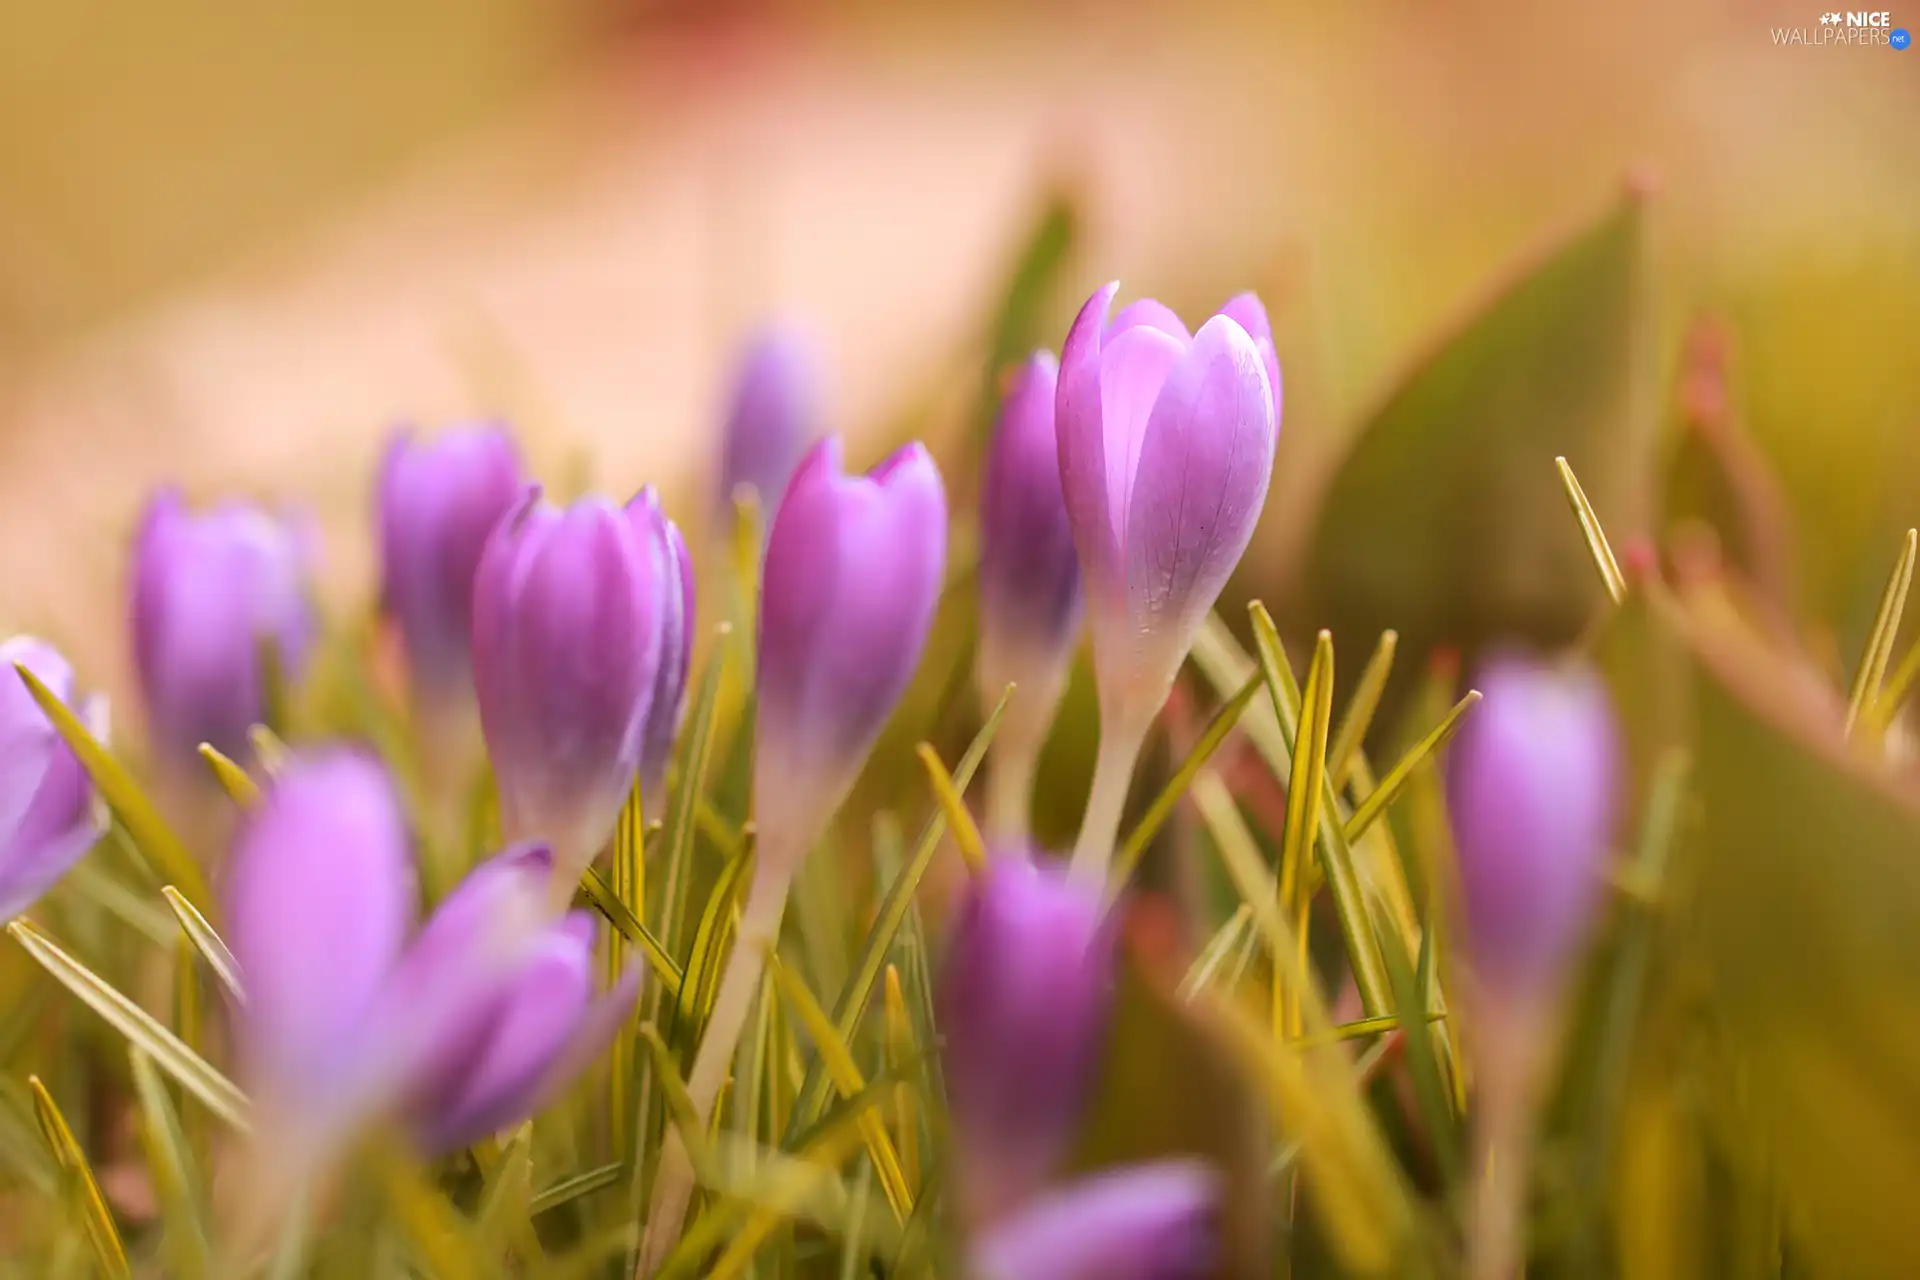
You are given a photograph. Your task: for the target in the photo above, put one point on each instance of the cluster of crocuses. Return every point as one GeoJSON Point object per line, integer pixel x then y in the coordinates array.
{"type": "Point", "coordinates": [1123, 485]}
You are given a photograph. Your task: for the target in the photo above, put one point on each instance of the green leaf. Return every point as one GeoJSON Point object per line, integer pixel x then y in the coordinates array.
{"type": "Point", "coordinates": [241, 789]}
{"type": "Point", "coordinates": [206, 942]}
{"type": "Point", "coordinates": [621, 917]}
{"type": "Point", "coordinates": [82, 1188]}
{"type": "Point", "coordinates": [155, 840]}
{"type": "Point", "coordinates": [188, 1068]}
{"type": "Point", "coordinates": [1019, 324]}
{"type": "Point", "coordinates": [1443, 522]}
{"type": "Point", "coordinates": [171, 1163]}
{"type": "Point", "coordinates": [1886, 629]}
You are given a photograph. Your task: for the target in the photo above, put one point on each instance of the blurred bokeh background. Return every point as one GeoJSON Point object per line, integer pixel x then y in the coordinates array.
{"type": "Point", "coordinates": [239, 242]}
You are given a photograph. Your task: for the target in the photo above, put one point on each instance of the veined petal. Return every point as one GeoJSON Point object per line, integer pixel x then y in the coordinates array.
{"type": "Point", "coordinates": [1134, 366]}
{"type": "Point", "coordinates": [1152, 313]}
{"type": "Point", "coordinates": [1250, 314]}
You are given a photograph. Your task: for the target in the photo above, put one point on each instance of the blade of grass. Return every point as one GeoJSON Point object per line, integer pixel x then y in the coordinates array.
{"type": "Point", "coordinates": [440, 1237]}
{"type": "Point", "coordinates": [269, 749]}
{"type": "Point", "coordinates": [188, 1068]}
{"type": "Point", "coordinates": [852, 1004]}
{"type": "Point", "coordinates": [241, 789]}
{"type": "Point", "coordinates": [171, 1162]}
{"type": "Point", "coordinates": [847, 1078]}
{"type": "Point", "coordinates": [156, 841]}
{"type": "Point", "coordinates": [785, 1186]}
{"type": "Point", "coordinates": [1893, 696]}
{"type": "Point", "coordinates": [1356, 924]}
{"type": "Point", "coordinates": [1135, 846]}
{"type": "Point", "coordinates": [206, 942]}
{"type": "Point", "coordinates": [899, 1053]}
{"type": "Point", "coordinates": [577, 1187]}
{"type": "Point", "coordinates": [1426, 749]}
{"type": "Point", "coordinates": [604, 900]}
{"type": "Point", "coordinates": [1303, 805]}
{"type": "Point", "coordinates": [708, 959]}
{"type": "Point", "coordinates": [82, 1188]}
{"type": "Point", "coordinates": [681, 814]}
{"type": "Point", "coordinates": [1215, 952]}
{"type": "Point", "coordinates": [1358, 717]}
{"type": "Point", "coordinates": [1886, 629]}
{"type": "Point", "coordinates": [965, 834]}
{"type": "Point", "coordinates": [1597, 544]}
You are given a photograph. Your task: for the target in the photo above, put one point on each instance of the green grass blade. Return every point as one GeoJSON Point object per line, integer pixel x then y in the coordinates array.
{"type": "Point", "coordinates": [973, 849]}
{"type": "Point", "coordinates": [171, 1163]}
{"type": "Point", "coordinates": [240, 788]}
{"type": "Point", "coordinates": [188, 1068]}
{"type": "Point", "coordinates": [1597, 544]}
{"type": "Point", "coordinates": [1390, 786]}
{"type": "Point", "coordinates": [1360, 710]}
{"type": "Point", "coordinates": [604, 900]}
{"type": "Point", "coordinates": [82, 1188]}
{"type": "Point", "coordinates": [577, 1187]}
{"type": "Point", "coordinates": [1223, 722]}
{"type": "Point", "coordinates": [694, 762]}
{"type": "Point", "coordinates": [1886, 629]}
{"type": "Point", "coordinates": [1304, 797]}
{"type": "Point", "coordinates": [205, 941]}
{"type": "Point", "coordinates": [156, 841]}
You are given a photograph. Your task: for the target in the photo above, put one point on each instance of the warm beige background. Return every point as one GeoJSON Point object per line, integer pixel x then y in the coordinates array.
{"type": "Point", "coordinates": [234, 254]}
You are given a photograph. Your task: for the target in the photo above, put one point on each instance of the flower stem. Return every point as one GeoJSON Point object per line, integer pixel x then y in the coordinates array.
{"type": "Point", "coordinates": [1507, 1065]}
{"type": "Point", "coordinates": [759, 928]}
{"type": "Point", "coordinates": [1120, 746]}
{"type": "Point", "coordinates": [1010, 792]}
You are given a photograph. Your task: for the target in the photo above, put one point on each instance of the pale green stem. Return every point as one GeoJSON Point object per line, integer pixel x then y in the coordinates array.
{"type": "Point", "coordinates": [1010, 792]}
{"type": "Point", "coordinates": [1120, 743]}
{"type": "Point", "coordinates": [758, 929]}
{"type": "Point", "coordinates": [1507, 1066]}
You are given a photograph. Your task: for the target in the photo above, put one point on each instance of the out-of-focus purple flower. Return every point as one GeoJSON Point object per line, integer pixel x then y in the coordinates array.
{"type": "Point", "coordinates": [570, 614]}
{"type": "Point", "coordinates": [852, 577]}
{"type": "Point", "coordinates": [668, 702]}
{"type": "Point", "coordinates": [470, 1029]}
{"type": "Point", "coordinates": [439, 500]}
{"type": "Point", "coordinates": [209, 592]}
{"type": "Point", "coordinates": [1022, 1003]}
{"type": "Point", "coordinates": [773, 418]}
{"type": "Point", "coordinates": [48, 816]}
{"type": "Point", "coordinates": [1531, 789]}
{"type": "Point", "coordinates": [1029, 571]}
{"type": "Point", "coordinates": [1166, 448]}
{"type": "Point", "coordinates": [1148, 1222]}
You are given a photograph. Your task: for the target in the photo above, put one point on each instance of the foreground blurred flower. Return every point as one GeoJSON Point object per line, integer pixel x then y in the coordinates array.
{"type": "Point", "coordinates": [467, 1031]}
{"type": "Point", "coordinates": [1022, 1003]}
{"type": "Point", "coordinates": [210, 593]}
{"type": "Point", "coordinates": [1150, 1222]}
{"type": "Point", "coordinates": [48, 817]}
{"type": "Point", "coordinates": [571, 612]}
{"type": "Point", "coordinates": [1029, 588]}
{"type": "Point", "coordinates": [1530, 789]}
{"type": "Point", "coordinates": [852, 577]}
{"type": "Point", "coordinates": [1166, 449]}
{"type": "Point", "coordinates": [439, 499]}
{"type": "Point", "coordinates": [772, 419]}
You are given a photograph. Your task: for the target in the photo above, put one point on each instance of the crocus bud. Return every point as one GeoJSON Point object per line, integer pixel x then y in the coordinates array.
{"type": "Point", "coordinates": [319, 898]}
{"type": "Point", "coordinates": [439, 500]}
{"type": "Point", "coordinates": [1029, 574]}
{"type": "Point", "coordinates": [773, 417]}
{"type": "Point", "coordinates": [1530, 788]}
{"type": "Point", "coordinates": [1148, 1222]}
{"type": "Point", "coordinates": [852, 578]}
{"type": "Point", "coordinates": [1022, 1004]}
{"type": "Point", "coordinates": [1166, 448]}
{"type": "Point", "coordinates": [210, 591]}
{"type": "Point", "coordinates": [676, 653]}
{"type": "Point", "coordinates": [569, 611]}
{"type": "Point", "coordinates": [48, 817]}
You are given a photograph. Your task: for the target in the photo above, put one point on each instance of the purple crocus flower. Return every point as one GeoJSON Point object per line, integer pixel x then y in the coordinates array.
{"type": "Point", "coordinates": [852, 578]}
{"type": "Point", "coordinates": [1531, 788]}
{"type": "Point", "coordinates": [1148, 1222]}
{"type": "Point", "coordinates": [209, 592]}
{"type": "Point", "coordinates": [439, 500]}
{"type": "Point", "coordinates": [48, 815]}
{"type": "Point", "coordinates": [1166, 448]}
{"type": "Point", "coordinates": [468, 1029]}
{"type": "Point", "coordinates": [1030, 601]}
{"type": "Point", "coordinates": [676, 654]}
{"type": "Point", "coordinates": [773, 418]}
{"type": "Point", "coordinates": [1022, 1004]}
{"type": "Point", "coordinates": [571, 614]}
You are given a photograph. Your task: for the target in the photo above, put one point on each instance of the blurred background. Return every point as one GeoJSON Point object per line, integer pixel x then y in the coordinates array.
{"type": "Point", "coordinates": [239, 242]}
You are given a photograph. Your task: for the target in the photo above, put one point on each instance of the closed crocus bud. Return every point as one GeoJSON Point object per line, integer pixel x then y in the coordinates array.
{"type": "Point", "coordinates": [1029, 586]}
{"type": "Point", "coordinates": [1531, 788]}
{"type": "Point", "coordinates": [1022, 1003]}
{"type": "Point", "coordinates": [568, 616]}
{"type": "Point", "coordinates": [668, 702]}
{"type": "Point", "coordinates": [319, 898]}
{"type": "Point", "coordinates": [1149, 1222]}
{"type": "Point", "coordinates": [439, 500]}
{"type": "Point", "coordinates": [210, 592]}
{"type": "Point", "coordinates": [1166, 448]}
{"type": "Point", "coordinates": [48, 817]}
{"type": "Point", "coordinates": [853, 574]}
{"type": "Point", "coordinates": [773, 417]}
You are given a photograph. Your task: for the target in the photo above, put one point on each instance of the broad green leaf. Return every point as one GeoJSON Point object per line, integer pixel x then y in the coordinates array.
{"type": "Point", "coordinates": [82, 1188]}
{"type": "Point", "coordinates": [1444, 521]}
{"type": "Point", "coordinates": [192, 1071]}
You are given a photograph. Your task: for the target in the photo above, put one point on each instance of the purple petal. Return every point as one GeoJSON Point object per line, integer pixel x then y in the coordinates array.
{"type": "Point", "coordinates": [1531, 785]}
{"type": "Point", "coordinates": [1152, 314]}
{"type": "Point", "coordinates": [1133, 367]}
{"type": "Point", "coordinates": [1203, 479]}
{"type": "Point", "coordinates": [1083, 446]}
{"type": "Point", "coordinates": [773, 418]}
{"type": "Point", "coordinates": [1029, 569]}
{"type": "Point", "coordinates": [319, 896]}
{"type": "Point", "coordinates": [1247, 311]}
{"type": "Point", "coordinates": [1022, 1004]}
{"type": "Point", "coordinates": [1151, 1222]}
{"type": "Point", "coordinates": [676, 644]}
